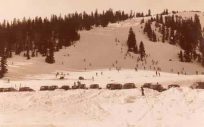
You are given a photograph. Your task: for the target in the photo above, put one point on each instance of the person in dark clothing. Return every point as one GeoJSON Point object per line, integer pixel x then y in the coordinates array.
{"type": "Point", "coordinates": [142, 90]}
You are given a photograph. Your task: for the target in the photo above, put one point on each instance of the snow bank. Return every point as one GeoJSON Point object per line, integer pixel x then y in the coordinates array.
{"type": "Point", "coordinates": [99, 108]}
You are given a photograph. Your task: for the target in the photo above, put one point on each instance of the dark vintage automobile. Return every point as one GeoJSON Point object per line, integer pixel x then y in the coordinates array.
{"type": "Point", "coordinates": [75, 87]}
{"type": "Point", "coordinates": [173, 86]}
{"type": "Point", "coordinates": [65, 87]}
{"type": "Point", "coordinates": [198, 85]}
{"type": "Point", "coordinates": [51, 88]}
{"type": "Point", "coordinates": [1, 89]}
{"type": "Point", "coordinates": [114, 86]}
{"type": "Point", "coordinates": [157, 87]}
{"type": "Point", "coordinates": [44, 88]}
{"type": "Point", "coordinates": [82, 86]}
{"type": "Point", "coordinates": [129, 86]}
{"type": "Point", "coordinates": [10, 89]}
{"type": "Point", "coordinates": [94, 86]}
{"type": "Point", "coordinates": [25, 89]}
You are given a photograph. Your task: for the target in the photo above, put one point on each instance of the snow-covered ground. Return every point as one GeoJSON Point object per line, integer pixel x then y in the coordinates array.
{"type": "Point", "coordinates": [96, 57]}
{"type": "Point", "coordinates": [99, 108]}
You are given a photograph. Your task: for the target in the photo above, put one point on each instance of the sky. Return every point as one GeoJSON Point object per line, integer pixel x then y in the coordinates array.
{"type": "Point", "coordinates": [10, 9]}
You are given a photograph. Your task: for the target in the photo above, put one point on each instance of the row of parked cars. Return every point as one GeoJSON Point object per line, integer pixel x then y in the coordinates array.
{"type": "Point", "coordinates": [110, 86]}
{"type": "Point", "coordinates": [11, 89]}
{"type": "Point", "coordinates": [66, 87]}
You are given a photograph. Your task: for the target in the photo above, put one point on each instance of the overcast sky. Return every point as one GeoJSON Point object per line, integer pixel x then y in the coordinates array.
{"type": "Point", "coordinates": [10, 9]}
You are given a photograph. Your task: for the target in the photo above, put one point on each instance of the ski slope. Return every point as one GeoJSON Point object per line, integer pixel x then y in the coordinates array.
{"type": "Point", "coordinates": [97, 49]}
{"type": "Point", "coordinates": [96, 56]}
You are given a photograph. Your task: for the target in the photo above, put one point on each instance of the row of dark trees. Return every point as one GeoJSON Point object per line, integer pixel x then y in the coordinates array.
{"type": "Point", "coordinates": [132, 45]}
{"type": "Point", "coordinates": [186, 33]}
{"type": "Point", "coordinates": [46, 35]}
{"type": "Point", "coordinates": [150, 33]}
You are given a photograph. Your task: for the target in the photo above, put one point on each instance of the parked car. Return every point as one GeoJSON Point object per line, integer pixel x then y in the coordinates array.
{"type": "Point", "coordinates": [114, 86]}
{"type": "Point", "coordinates": [75, 87]}
{"type": "Point", "coordinates": [1, 89]}
{"type": "Point", "coordinates": [198, 85]}
{"type": "Point", "coordinates": [65, 87]}
{"type": "Point", "coordinates": [24, 89]}
{"type": "Point", "coordinates": [173, 86]}
{"type": "Point", "coordinates": [157, 87]}
{"type": "Point", "coordinates": [82, 86]}
{"type": "Point", "coordinates": [44, 88]}
{"type": "Point", "coordinates": [147, 85]}
{"type": "Point", "coordinates": [53, 87]}
{"type": "Point", "coordinates": [95, 86]}
{"type": "Point", "coordinates": [129, 86]}
{"type": "Point", "coordinates": [10, 89]}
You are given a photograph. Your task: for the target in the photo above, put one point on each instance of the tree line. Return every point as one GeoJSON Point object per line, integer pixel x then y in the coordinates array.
{"type": "Point", "coordinates": [187, 33]}
{"type": "Point", "coordinates": [47, 35]}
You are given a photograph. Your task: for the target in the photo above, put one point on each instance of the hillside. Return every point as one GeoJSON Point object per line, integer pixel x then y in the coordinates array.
{"type": "Point", "coordinates": [97, 49]}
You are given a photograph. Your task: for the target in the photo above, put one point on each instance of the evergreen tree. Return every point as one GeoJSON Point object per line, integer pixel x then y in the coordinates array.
{"type": "Point", "coordinates": [50, 56]}
{"type": "Point", "coordinates": [181, 56]}
{"type": "Point", "coordinates": [203, 60]}
{"type": "Point", "coordinates": [3, 65]}
{"type": "Point", "coordinates": [172, 37]}
{"type": "Point", "coordinates": [142, 21]}
{"type": "Point", "coordinates": [142, 50]}
{"type": "Point", "coordinates": [148, 30]}
{"type": "Point", "coordinates": [149, 13]}
{"type": "Point", "coordinates": [167, 34]}
{"type": "Point", "coordinates": [163, 33]}
{"type": "Point", "coordinates": [154, 37]}
{"type": "Point", "coordinates": [161, 19]}
{"type": "Point", "coordinates": [187, 56]}
{"type": "Point", "coordinates": [131, 42]}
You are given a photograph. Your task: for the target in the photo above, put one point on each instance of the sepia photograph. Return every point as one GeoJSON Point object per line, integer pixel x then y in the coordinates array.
{"type": "Point", "coordinates": [102, 63]}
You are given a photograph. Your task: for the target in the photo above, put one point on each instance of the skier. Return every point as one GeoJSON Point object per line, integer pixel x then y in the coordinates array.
{"type": "Point", "coordinates": [142, 90]}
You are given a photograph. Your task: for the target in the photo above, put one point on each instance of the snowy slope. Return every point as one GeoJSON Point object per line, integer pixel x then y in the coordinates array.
{"type": "Point", "coordinates": [100, 51]}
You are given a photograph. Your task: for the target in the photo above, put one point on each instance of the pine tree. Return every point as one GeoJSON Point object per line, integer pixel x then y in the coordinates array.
{"type": "Point", "coordinates": [28, 54]}
{"type": "Point", "coordinates": [142, 50]}
{"type": "Point", "coordinates": [157, 18]}
{"type": "Point", "coordinates": [27, 47]}
{"type": "Point", "coordinates": [149, 13]}
{"type": "Point", "coordinates": [163, 33]}
{"type": "Point", "coordinates": [203, 60]}
{"type": "Point", "coordinates": [187, 56]}
{"type": "Point", "coordinates": [161, 19]}
{"type": "Point", "coordinates": [154, 37]}
{"type": "Point", "coordinates": [167, 34]}
{"type": "Point", "coordinates": [131, 42]}
{"type": "Point", "coordinates": [142, 21]}
{"type": "Point", "coordinates": [3, 65]}
{"type": "Point", "coordinates": [50, 56]}
{"type": "Point", "coordinates": [181, 56]}
{"type": "Point", "coordinates": [172, 37]}
{"type": "Point", "coordinates": [148, 30]}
